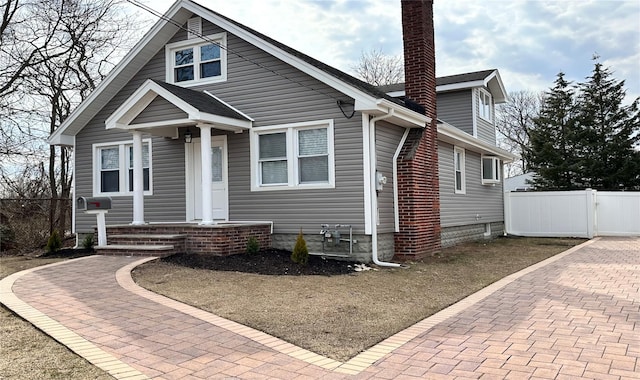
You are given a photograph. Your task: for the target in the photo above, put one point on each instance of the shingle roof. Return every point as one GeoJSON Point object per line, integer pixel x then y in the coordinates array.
{"type": "Point", "coordinates": [202, 101]}
{"type": "Point", "coordinates": [442, 81]}
{"type": "Point", "coordinates": [361, 85]}
{"type": "Point", "coordinates": [462, 78]}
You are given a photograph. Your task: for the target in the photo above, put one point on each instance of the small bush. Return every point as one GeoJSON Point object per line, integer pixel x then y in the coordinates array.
{"type": "Point", "coordinates": [87, 242]}
{"type": "Point", "coordinates": [300, 254]}
{"type": "Point", "coordinates": [7, 237]}
{"type": "Point", "coordinates": [54, 243]}
{"type": "Point", "coordinates": [253, 246]}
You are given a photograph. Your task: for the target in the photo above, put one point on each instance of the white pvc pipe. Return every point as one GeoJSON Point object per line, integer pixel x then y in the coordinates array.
{"type": "Point", "coordinates": [73, 193]}
{"type": "Point", "coordinates": [396, 203]}
{"type": "Point", "coordinates": [374, 194]}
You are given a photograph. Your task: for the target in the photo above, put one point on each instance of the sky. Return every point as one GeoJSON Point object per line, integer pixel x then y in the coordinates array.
{"type": "Point", "coordinates": [528, 41]}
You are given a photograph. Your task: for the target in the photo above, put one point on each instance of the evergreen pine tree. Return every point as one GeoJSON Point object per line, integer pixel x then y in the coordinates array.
{"type": "Point", "coordinates": [300, 254]}
{"type": "Point", "coordinates": [609, 131]}
{"type": "Point", "coordinates": [552, 147]}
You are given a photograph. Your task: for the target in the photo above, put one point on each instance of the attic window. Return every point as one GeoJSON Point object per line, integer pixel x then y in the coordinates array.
{"type": "Point", "coordinates": [197, 61]}
{"type": "Point", "coordinates": [485, 105]}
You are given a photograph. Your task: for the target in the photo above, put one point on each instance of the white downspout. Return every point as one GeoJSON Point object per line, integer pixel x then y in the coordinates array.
{"type": "Point", "coordinates": [73, 193]}
{"type": "Point", "coordinates": [374, 194]}
{"type": "Point", "coordinates": [396, 211]}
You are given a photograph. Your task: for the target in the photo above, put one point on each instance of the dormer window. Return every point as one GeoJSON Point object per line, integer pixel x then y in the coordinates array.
{"type": "Point", "coordinates": [197, 61]}
{"type": "Point", "coordinates": [485, 105]}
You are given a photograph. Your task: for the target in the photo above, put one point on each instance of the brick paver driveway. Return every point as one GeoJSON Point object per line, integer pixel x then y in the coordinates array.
{"type": "Point", "coordinates": [576, 315]}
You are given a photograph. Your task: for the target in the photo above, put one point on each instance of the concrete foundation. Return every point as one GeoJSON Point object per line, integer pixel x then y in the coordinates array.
{"type": "Point", "coordinates": [472, 232]}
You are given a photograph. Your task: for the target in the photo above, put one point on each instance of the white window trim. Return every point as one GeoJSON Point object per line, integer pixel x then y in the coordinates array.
{"type": "Point", "coordinates": [495, 170]}
{"type": "Point", "coordinates": [220, 38]}
{"type": "Point", "coordinates": [463, 189]}
{"type": "Point", "coordinates": [123, 168]}
{"type": "Point", "coordinates": [482, 93]}
{"type": "Point", "coordinates": [292, 155]}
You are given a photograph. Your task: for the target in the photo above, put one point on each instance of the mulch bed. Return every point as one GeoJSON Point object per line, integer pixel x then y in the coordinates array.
{"type": "Point", "coordinates": [69, 253]}
{"type": "Point", "coordinates": [268, 262]}
{"type": "Point", "coordinates": [273, 262]}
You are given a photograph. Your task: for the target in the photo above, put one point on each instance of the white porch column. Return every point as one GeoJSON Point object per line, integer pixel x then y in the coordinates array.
{"type": "Point", "coordinates": [205, 153]}
{"type": "Point", "coordinates": [138, 180]}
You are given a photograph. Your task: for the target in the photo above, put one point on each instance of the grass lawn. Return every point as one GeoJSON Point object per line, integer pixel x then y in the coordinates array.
{"type": "Point", "coordinates": [340, 316]}
{"type": "Point", "coordinates": [27, 353]}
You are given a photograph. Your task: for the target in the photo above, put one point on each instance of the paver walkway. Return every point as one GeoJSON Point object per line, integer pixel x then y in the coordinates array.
{"type": "Point", "coordinates": [576, 315]}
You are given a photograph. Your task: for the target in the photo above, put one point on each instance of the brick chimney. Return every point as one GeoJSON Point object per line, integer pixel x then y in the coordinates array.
{"type": "Point", "coordinates": [418, 185]}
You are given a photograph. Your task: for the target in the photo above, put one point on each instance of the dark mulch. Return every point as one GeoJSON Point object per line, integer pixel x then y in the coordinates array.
{"type": "Point", "coordinates": [69, 253]}
{"type": "Point", "coordinates": [268, 262]}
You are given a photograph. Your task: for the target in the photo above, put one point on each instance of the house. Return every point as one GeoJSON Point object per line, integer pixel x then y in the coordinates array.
{"type": "Point", "coordinates": [209, 133]}
{"type": "Point", "coordinates": [469, 162]}
{"type": "Point", "coordinates": [521, 182]}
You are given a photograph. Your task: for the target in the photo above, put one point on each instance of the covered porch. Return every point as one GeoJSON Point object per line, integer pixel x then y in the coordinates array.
{"type": "Point", "coordinates": [160, 109]}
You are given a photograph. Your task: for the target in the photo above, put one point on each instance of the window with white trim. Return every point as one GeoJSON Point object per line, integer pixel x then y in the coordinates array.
{"type": "Point", "coordinates": [272, 158]}
{"type": "Point", "coordinates": [458, 169]}
{"type": "Point", "coordinates": [491, 169]}
{"type": "Point", "coordinates": [485, 105]}
{"type": "Point", "coordinates": [197, 61]}
{"type": "Point", "coordinates": [113, 168]}
{"type": "Point", "coordinates": [293, 156]}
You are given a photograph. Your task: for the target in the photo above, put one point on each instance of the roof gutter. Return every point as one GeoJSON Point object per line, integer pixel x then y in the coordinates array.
{"type": "Point", "coordinates": [374, 193]}
{"type": "Point", "coordinates": [452, 135]}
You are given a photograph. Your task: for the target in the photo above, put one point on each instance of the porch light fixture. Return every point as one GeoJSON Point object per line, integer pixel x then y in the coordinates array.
{"type": "Point", "coordinates": [188, 137]}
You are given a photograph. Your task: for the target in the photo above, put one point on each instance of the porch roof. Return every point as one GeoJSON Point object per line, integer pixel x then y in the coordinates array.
{"type": "Point", "coordinates": [197, 108]}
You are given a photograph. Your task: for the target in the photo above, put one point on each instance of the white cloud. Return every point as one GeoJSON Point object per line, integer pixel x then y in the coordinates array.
{"type": "Point", "coordinates": [529, 41]}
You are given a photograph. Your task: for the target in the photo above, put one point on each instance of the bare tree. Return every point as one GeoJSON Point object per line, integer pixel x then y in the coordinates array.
{"type": "Point", "coordinates": [378, 69]}
{"type": "Point", "coordinates": [54, 53]}
{"type": "Point", "coordinates": [514, 121]}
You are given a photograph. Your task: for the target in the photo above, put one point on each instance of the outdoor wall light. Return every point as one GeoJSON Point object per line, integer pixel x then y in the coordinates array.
{"type": "Point", "coordinates": [188, 137]}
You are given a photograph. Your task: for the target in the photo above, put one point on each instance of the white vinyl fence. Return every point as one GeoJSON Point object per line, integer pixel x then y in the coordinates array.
{"type": "Point", "coordinates": [584, 213]}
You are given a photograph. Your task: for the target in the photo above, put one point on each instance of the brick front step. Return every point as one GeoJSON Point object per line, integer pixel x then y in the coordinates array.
{"type": "Point", "coordinates": [176, 241]}
{"type": "Point", "coordinates": [148, 236]}
{"type": "Point", "coordinates": [218, 240]}
{"type": "Point", "coordinates": [135, 250]}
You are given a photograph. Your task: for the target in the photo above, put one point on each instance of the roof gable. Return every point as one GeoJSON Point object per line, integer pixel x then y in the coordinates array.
{"type": "Point", "coordinates": [197, 107]}
{"type": "Point", "coordinates": [367, 97]}
{"type": "Point", "coordinates": [485, 78]}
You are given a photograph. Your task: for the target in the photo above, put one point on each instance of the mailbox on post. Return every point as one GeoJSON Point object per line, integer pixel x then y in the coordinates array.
{"type": "Point", "coordinates": [93, 203]}
{"type": "Point", "coordinates": [99, 206]}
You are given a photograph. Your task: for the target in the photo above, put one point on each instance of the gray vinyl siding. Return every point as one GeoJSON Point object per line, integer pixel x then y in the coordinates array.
{"type": "Point", "coordinates": [388, 137]}
{"type": "Point", "coordinates": [455, 108]}
{"type": "Point", "coordinates": [482, 200]}
{"type": "Point", "coordinates": [270, 99]}
{"type": "Point", "coordinates": [159, 110]}
{"type": "Point", "coordinates": [486, 129]}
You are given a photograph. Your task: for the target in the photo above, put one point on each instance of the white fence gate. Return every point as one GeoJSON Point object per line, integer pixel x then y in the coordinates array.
{"type": "Point", "coordinates": [584, 213]}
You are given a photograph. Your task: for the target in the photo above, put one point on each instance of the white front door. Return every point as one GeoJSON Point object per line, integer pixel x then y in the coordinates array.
{"type": "Point", "coordinates": [218, 178]}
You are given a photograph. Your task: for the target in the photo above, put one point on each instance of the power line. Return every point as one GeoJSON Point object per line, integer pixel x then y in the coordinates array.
{"type": "Point", "coordinates": [226, 48]}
